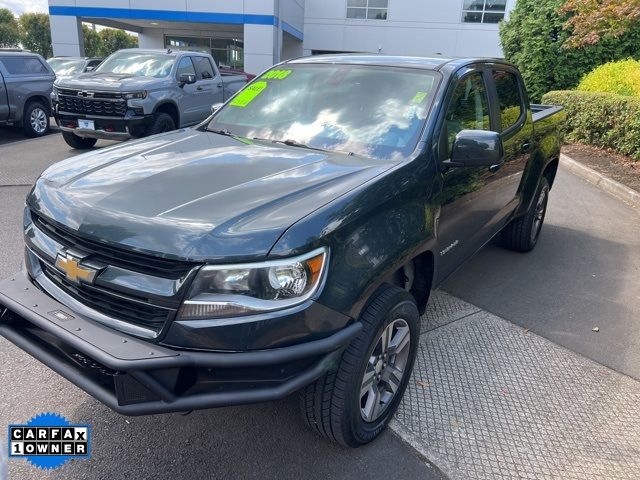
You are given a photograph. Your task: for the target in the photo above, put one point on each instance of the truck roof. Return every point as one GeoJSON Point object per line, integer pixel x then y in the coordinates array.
{"type": "Point", "coordinates": [166, 51]}
{"type": "Point", "coordinates": [425, 63]}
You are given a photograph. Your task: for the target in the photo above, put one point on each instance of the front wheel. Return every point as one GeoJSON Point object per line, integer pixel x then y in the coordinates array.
{"type": "Point", "coordinates": [522, 233]}
{"type": "Point", "coordinates": [353, 404]}
{"type": "Point", "coordinates": [80, 143]}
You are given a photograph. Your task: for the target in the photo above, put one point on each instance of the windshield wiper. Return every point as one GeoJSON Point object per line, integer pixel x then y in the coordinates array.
{"type": "Point", "coordinates": [222, 131]}
{"type": "Point", "coordinates": [295, 143]}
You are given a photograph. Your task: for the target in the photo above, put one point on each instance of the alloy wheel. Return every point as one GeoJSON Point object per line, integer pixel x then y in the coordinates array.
{"type": "Point", "coordinates": [385, 370]}
{"type": "Point", "coordinates": [38, 120]}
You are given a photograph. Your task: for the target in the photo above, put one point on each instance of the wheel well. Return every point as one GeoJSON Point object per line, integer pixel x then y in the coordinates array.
{"type": "Point", "coordinates": [37, 98]}
{"type": "Point", "coordinates": [550, 171]}
{"type": "Point", "coordinates": [171, 110]}
{"type": "Point", "coordinates": [423, 266]}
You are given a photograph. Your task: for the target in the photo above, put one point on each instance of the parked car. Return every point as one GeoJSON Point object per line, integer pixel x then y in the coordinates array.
{"type": "Point", "coordinates": [230, 71]}
{"type": "Point", "coordinates": [290, 243]}
{"type": "Point", "coordinates": [25, 88]}
{"type": "Point", "coordinates": [70, 66]}
{"type": "Point", "coordinates": [135, 93]}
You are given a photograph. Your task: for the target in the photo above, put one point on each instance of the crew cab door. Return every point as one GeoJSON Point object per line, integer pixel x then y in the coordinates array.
{"type": "Point", "coordinates": [189, 102]}
{"type": "Point", "coordinates": [470, 200]}
{"type": "Point", "coordinates": [4, 103]}
{"type": "Point", "coordinates": [209, 85]}
{"type": "Point", "coordinates": [516, 130]}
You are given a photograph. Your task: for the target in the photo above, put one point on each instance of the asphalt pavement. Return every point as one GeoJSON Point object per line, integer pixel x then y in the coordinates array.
{"type": "Point", "coordinates": [259, 441]}
{"type": "Point", "coordinates": [584, 273]}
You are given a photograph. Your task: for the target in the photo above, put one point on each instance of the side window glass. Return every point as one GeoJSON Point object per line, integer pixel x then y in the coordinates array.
{"type": "Point", "coordinates": [24, 65]}
{"type": "Point", "coordinates": [510, 98]}
{"type": "Point", "coordinates": [204, 68]}
{"type": "Point", "coordinates": [185, 67]}
{"type": "Point", "coordinates": [468, 110]}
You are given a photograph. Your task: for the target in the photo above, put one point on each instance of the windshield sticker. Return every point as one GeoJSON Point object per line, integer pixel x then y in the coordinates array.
{"type": "Point", "coordinates": [419, 98]}
{"type": "Point", "coordinates": [246, 96]}
{"type": "Point", "coordinates": [276, 74]}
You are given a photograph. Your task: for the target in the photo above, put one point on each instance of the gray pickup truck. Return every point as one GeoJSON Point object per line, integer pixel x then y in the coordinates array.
{"type": "Point", "coordinates": [135, 93]}
{"type": "Point", "coordinates": [25, 86]}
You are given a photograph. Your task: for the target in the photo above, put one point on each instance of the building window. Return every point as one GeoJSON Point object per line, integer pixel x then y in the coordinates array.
{"type": "Point", "coordinates": [483, 11]}
{"type": "Point", "coordinates": [367, 9]}
{"type": "Point", "coordinates": [227, 52]}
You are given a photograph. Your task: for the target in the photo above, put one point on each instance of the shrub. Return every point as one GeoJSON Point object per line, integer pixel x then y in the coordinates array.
{"type": "Point", "coordinates": [604, 120]}
{"type": "Point", "coordinates": [534, 39]}
{"type": "Point", "coordinates": [622, 78]}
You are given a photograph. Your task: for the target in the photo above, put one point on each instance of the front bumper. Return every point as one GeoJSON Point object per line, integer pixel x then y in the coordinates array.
{"type": "Point", "coordinates": [107, 128]}
{"type": "Point", "coordinates": [135, 377]}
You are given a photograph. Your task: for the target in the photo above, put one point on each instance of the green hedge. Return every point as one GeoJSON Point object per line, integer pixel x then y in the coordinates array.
{"type": "Point", "coordinates": [622, 78]}
{"type": "Point", "coordinates": [603, 120]}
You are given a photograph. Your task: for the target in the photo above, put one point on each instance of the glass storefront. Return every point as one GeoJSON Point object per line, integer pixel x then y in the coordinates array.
{"type": "Point", "coordinates": [228, 52]}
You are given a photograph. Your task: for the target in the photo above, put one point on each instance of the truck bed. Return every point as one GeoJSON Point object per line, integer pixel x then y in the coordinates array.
{"type": "Point", "coordinates": [540, 112]}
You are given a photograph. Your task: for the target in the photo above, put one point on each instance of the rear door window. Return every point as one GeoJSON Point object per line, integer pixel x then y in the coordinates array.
{"type": "Point", "coordinates": [509, 97]}
{"type": "Point", "coordinates": [204, 68]}
{"type": "Point", "coordinates": [24, 66]}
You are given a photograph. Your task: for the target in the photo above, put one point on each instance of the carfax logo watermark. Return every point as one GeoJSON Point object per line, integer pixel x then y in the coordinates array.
{"type": "Point", "coordinates": [49, 440]}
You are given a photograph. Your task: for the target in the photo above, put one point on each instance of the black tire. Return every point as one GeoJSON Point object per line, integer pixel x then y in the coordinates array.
{"type": "Point", "coordinates": [80, 143]}
{"type": "Point", "coordinates": [332, 406]}
{"type": "Point", "coordinates": [162, 122]}
{"type": "Point", "coordinates": [523, 232]}
{"type": "Point", "coordinates": [35, 122]}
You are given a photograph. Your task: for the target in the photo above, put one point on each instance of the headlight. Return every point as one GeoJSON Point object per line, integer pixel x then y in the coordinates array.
{"type": "Point", "coordinates": [133, 95]}
{"type": "Point", "coordinates": [234, 290]}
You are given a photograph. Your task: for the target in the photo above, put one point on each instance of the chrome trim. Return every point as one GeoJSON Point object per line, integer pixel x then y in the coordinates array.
{"type": "Point", "coordinates": [80, 308]}
{"type": "Point", "coordinates": [100, 134]}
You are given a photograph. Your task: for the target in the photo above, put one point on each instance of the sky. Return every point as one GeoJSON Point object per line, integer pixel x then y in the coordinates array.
{"type": "Point", "coordinates": [21, 6]}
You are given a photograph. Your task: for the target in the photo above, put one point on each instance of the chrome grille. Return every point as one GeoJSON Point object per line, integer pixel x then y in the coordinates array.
{"type": "Point", "coordinates": [133, 306]}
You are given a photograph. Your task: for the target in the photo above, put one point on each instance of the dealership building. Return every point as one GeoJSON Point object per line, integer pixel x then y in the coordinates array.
{"type": "Point", "coordinates": [254, 34]}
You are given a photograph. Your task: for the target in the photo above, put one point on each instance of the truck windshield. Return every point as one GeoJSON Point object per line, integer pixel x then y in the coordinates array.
{"type": "Point", "coordinates": [66, 67]}
{"type": "Point", "coordinates": [367, 110]}
{"type": "Point", "coordinates": [138, 64]}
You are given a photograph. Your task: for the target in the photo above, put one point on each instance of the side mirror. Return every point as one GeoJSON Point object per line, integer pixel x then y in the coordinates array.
{"type": "Point", "coordinates": [186, 79]}
{"type": "Point", "coordinates": [215, 107]}
{"type": "Point", "coordinates": [476, 148]}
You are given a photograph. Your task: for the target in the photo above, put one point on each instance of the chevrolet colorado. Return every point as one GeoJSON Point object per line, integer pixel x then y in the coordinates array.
{"type": "Point", "coordinates": [289, 243]}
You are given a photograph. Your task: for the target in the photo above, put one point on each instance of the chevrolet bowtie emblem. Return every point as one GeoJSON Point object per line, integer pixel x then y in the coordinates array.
{"type": "Point", "coordinates": [72, 269]}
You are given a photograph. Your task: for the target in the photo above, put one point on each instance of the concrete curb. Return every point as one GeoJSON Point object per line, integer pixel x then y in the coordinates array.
{"type": "Point", "coordinates": [622, 192]}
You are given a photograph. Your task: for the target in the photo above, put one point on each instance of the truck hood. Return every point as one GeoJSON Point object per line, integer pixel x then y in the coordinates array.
{"type": "Point", "coordinates": [107, 82]}
{"type": "Point", "coordinates": [195, 195]}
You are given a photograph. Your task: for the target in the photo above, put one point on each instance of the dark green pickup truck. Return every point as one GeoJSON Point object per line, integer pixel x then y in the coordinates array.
{"type": "Point", "coordinates": [289, 243]}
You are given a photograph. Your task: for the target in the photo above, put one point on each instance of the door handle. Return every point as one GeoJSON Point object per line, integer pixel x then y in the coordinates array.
{"type": "Point", "coordinates": [199, 89]}
{"type": "Point", "coordinates": [525, 147]}
{"type": "Point", "coordinates": [495, 168]}
{"type": "Point", "coordinates": [219, 85]}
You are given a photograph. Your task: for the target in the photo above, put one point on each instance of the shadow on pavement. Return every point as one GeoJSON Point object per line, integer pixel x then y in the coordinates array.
{"type": "Point", "coordinates": [9, 135]}
{"type": "Point", "coordinates": [258, 441]}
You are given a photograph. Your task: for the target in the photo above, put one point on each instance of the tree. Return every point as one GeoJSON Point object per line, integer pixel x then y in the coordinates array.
{"type": "Point", "coordinates": [113, 40]}
{"type": "Point", "coordinates": [534, 38]}
{"type": "Point", "coordinates": [36, 33]}
{"type": "Point", "coordinates": [592, 20]}
{"type": "Point", "coordinates": [92, 42]}
{"type": "Point", "coordinates": [9, 31]}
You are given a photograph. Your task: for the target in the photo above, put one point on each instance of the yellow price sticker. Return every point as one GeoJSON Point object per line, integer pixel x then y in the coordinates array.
{"type": "Point", "coordinates": [419, 98]}
{"type": "Point", "coordinates": [246, 96]}
{"type": "Point", "coordinates": [276, 74]}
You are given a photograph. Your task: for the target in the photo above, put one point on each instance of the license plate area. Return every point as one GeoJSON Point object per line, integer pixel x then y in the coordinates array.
{"type": "Point", "coordinates": [86, 124]}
